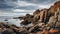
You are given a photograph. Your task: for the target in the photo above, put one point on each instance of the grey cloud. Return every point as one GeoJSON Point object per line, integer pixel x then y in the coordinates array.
{"type": "Point", "coordinates": [5, 6]}
{"type": "Point", "coordinates": [27, 7]}
{"type": "Point", "coordinates": [2, 1]}
{"type": "Point", "coordinates": [39, 1]}
{"type": "Point", "coordinates": [10, 5]}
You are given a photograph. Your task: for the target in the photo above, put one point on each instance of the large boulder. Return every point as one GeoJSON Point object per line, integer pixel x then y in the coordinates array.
{"type": "Point", "coordinates": [36, 19]}
{"type": "Point", "coordinates": [37, 28]}
{"type": "Point", "coordinates": [41, 16]}
{"type": "Point", "coordinates": [27, 19]}
{"type": "Point", "coordinates": [27, 16]}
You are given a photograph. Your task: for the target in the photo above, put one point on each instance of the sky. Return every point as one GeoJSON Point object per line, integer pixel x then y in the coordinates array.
{"type": "Point", "coordinates": [21, 7]}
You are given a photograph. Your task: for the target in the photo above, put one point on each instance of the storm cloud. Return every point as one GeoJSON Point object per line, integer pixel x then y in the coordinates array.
{"type": "Point", "coordinates": [16, 7]}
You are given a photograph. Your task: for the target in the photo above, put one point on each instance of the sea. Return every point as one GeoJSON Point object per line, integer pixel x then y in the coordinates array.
{"type": "Point", "coordinates": [10, 19]}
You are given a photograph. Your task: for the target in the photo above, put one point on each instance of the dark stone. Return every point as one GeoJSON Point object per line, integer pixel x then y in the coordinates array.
{"type": "Point", "coordinates": [35, 29]}
{"type": "Point", "coordinates": [25, 23]}
{"type": "Point", "coordinates": [7, 32]}
{"type": "Point", "coordinates": [23, 32]}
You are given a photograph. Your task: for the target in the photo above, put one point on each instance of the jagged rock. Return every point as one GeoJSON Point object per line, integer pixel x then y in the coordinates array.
{"type": "Point", "coordinates": [54, 19]}
{"type": "Point", "coordinates": [41, 16]}
{"type": "Point", "coordinates": [25, 22]}
{"type": "Point", "coordinates": [36, 19]}
{"type": "Point", "coordinates": [27, 19]}
{"type": "Point", "coordinates": [36, 16]}
{"type": "Point", "coordinates": [42, 22]}
{"type": "Point", "coordinates": [35, 29]}
{"type": "Point", "coordinates": [54, 8]}
{"type": "Point", "coordinates": [51, 20]}
{"type": "Point", "coordinates": [28, 16]}
{"type": "Point", "coordinates": [36, 12]}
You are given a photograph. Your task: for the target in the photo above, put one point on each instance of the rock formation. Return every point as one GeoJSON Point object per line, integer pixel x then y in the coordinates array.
{"type": "Point", "coordinates": [44, 21]}
{"type": "Point", "coordinates": [54, 8]}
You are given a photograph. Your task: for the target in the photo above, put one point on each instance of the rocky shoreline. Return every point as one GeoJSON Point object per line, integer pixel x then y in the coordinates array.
{"type": "Point", "coordinates": [44, 21]}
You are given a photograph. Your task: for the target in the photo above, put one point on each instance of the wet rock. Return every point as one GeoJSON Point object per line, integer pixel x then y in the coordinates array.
{"type": "Point", "coordinates": [8, 31]}
{"type": "Point", "coordinates": [3, 25]}
{"type": "Point", "coordinates": [21, 18]}
{"type": "Point", "coordinates": [25, 22]}
{"type": "Point", "coordinates": [28, 19]}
